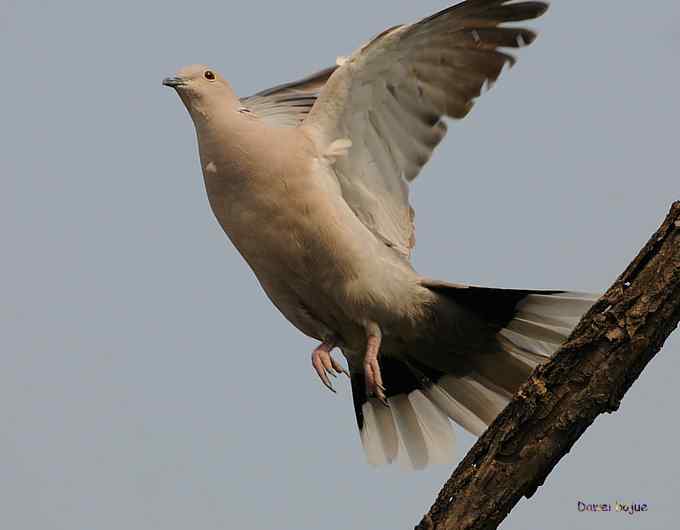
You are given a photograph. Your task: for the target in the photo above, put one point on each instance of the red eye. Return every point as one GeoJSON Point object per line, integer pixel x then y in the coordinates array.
{"type": "Point", "coordinates": [209, 75]}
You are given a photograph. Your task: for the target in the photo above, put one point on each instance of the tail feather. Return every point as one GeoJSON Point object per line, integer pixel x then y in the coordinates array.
{"type": "Point", "coordinates": [436, 428]}
{"type": "Point", "coordinates": [424, 431]}
{"type": "Point", "coordinates": [471, 386]}
{"type": "Point", "coordinates": [530, 352]}
{"type": "Point", "coordinates": [542, 333]}
{"type": "Point", "coordinates": [542, 323]}
{"type": "Point", "coordinates": [412, 429]}
{"type": "Point", "coordinates": [560, 304]}
{"type": "Point", "coordinates": [456, 410]}
{"type": "Point", "coordinates": [480, 402]}
{"type": "Point", "coordinates": [503, 369]}
{"type": "Point", "coordinates": [378, 433]}
{"type": "Point", "coordinates": [562, 323]}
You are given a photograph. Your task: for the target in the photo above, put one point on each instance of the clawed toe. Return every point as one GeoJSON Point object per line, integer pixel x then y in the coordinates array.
{"type": "Point", "coordinates": [376, 390]}
{"type": "Point", "coordinates": [338, 367]}
{"type": "Point", "coordinates": [324, 364]}
{"type": "Point", "coordinates": [374, 386]}
{"type": "Point", "coordinates": [374, 382]}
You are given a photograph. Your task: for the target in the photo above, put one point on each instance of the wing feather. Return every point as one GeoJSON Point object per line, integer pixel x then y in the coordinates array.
{"type": "Point", "coordinates": [390, 96]}
{"type": "Point", "coordinates": [288, 104]}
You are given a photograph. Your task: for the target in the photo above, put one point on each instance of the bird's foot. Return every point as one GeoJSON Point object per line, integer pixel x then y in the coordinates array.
{"type": "Point", "coordinates": [374, 382]}
{"type": "Point", "coordinates": [324, 364]}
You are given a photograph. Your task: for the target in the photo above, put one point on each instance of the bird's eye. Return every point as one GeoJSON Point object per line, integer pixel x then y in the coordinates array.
{"type": "Point", "coordinates": [209, 75]}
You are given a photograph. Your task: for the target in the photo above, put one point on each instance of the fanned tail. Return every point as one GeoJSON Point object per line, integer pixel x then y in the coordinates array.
{"type": "Point", "coordinates": [486, 344]}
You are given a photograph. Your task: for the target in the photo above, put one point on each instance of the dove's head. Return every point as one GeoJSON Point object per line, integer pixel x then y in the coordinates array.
{"type": "Point", "coordinates": [201, 89]}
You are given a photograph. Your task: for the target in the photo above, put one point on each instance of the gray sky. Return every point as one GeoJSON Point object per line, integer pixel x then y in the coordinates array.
{"type": "Point", "coordinates": [145, 380]}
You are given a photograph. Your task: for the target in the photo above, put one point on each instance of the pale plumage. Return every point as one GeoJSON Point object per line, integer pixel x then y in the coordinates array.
{"type": "Point", "coordinates": [310, 182]}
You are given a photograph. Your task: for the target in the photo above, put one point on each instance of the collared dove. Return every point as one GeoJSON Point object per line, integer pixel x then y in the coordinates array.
{"type": "Point", "coordinates": [310, 182]}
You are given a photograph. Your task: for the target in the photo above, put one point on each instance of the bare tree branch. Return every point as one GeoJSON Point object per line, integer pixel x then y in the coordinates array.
{"type": "Point", "coordinates": [588, 376]}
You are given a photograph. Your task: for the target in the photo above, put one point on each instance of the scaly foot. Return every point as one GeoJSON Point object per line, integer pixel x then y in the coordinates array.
{"type": "Point", "coordinates": [324, 364]}
{"type": "Point", "coordinates": [374, 382]}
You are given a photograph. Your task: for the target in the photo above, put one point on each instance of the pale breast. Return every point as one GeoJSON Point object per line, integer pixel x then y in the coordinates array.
{"type": "Point", "coordinates": [323, 269]}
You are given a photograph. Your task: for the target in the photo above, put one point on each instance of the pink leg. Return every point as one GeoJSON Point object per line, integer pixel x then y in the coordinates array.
{"type": "Point", "coordinates": [324, 364]}
{"type": "Point", "coordinates": [374, 382]}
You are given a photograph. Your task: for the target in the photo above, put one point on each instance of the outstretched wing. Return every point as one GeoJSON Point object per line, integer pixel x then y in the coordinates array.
{"type": "Point", "coordinates": [287, 105]}
{"type": "Point", "coordinates": [390, 96]}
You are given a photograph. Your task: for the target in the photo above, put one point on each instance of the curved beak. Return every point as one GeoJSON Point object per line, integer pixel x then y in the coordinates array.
{"type": "Point", "coordinates": [173, 82]}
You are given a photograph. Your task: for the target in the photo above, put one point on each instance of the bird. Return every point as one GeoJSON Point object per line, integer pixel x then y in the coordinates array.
{"type": "Point", "coordinates": [310, 182]}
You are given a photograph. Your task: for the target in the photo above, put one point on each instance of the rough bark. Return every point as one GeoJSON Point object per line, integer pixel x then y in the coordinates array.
{"type": "Point", "coordinates": [588, 376]}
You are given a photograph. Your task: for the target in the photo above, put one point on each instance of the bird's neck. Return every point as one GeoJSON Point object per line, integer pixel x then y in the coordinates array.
{"type": "Point", "coordinates": [224, 141]}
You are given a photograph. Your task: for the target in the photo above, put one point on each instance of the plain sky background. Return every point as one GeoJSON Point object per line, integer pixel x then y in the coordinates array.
{"type": "Point", "coordinates": [145, 380]}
